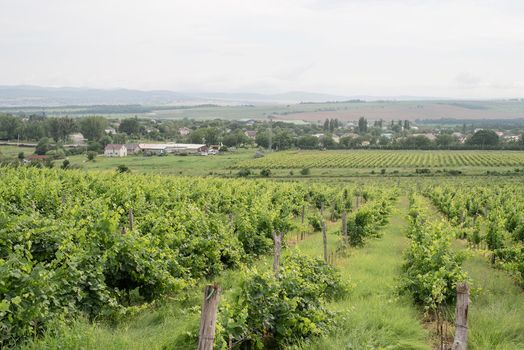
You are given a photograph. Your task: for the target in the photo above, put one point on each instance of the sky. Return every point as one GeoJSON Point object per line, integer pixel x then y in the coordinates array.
{"type": "Point", "coordinates": [441, 48]}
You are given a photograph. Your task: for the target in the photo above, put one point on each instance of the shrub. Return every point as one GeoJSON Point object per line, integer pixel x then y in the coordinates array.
{"type": "Point", "coordinates": [305, 171]}
{"type": "Point", "coordinates": [122, 168]}
{"type": "Point", "coordinates": [65, 164]}
{"type": "Point", "coordinates": [91, 155]}
{"type": "Point", "coordinates": [272, 312]}
{"type": "Point", "coordinates": [265, 172]}
{"type": "Point", "coordinates": [244, 172]}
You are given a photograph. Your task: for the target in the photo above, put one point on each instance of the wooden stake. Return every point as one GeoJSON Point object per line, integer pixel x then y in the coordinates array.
{"type": "Point", "coordinates": [345, 227]}
{"type": "Point", "coordinates": [131, 219]}
{"type": "Point", "coordinates": [461, 318]}
{"type": "Point", "coordinates": [278, 246]}
{"type": "Point", "coordinates": [324, 237]}
{"type": "Point", "coordinates": [303, 212]}
{"type": "Point", "coordinates": [206, 336]}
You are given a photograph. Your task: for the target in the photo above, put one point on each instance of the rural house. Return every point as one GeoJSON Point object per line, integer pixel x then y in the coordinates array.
{"type": "Point", "coordinates": [77, 139]}
{"type": "Point", "coordinates": [133, 148]}
{"type": "Point", "coordinates": [115, 150]}
{"type": "Point", "coordinates": [251, 134]}
{"type": "Point", "coordinates": [184, 131]}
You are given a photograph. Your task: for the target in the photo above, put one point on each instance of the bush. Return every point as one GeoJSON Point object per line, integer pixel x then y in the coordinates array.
{"type": "Point", "coordinates": [422, 171]}
{"type": "Point", "coordinates": [382, 171]}
{"type": "Point", "coordinates": [244, 172]}
{"type": "Point", "coordinates": [315, 220]}
{"type": "Point", "coordinates": [91, 155]}
{"type": "Point", "coordinates": [271, 312]}
{"type": "Point", "coordinates": [265, 172]}
{"type": "Point", "coordinates": [122, 168]}
{"type": "Point", "coordinates": [65, 164]}
{"type": "Point", "coordinates": [305, 171]}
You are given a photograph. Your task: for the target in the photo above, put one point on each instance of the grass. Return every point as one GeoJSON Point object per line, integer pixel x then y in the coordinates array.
{"type": "Point", "coordinates": [167, 165]}
{"type": "Point", "coordinates": [374, 316]}
{"type": "Point", "coordinates": [496, 312]}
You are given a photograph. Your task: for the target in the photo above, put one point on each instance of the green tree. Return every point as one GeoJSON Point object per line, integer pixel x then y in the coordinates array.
{"type": "Point", "coordinates": [307, 142]}
{"type": "Point", "coordinates": [130, 126]}
{"type": "Point", "coordinates": [9, 126]}
{"type": "Point", "coordinates": [43, 146]}
{"type": "Point", "coordinates": [484, 138]}
{"type": "Point", "coordinates": [61, 127]}
{"type": "Point", "coordinates": [262, 139]}
{"type": "Point", "coordinates": [362, 125]}
{"type": "Point", "coordinates": [93, 127]}
{"type": "Point", "coordinates": [445, 140]}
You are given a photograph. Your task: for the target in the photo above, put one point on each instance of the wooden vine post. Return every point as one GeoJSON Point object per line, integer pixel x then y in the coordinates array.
{"type": "Point", "coordinates": [131, 218]}
{"type": "Point", "coordinates": [206, 336]}
{"type": "Point", "coordinates": [460, 342]}
{"type": "Point", "coordinates": [278, 248]}
{"type": "Point", "coordinates": [324, 237]}
{"type": "Point", "coordinates": [303, 212]}
{"type": "Point", "coordinates": [345, 227]}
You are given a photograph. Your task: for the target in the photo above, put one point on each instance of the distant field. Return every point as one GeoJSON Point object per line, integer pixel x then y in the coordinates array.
{"type": "Point", "coordinates": [384, 159]}
{"type": "Point", "coordinates": [311, 112]}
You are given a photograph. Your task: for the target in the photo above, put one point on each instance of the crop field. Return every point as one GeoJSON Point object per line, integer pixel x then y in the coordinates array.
{"type": "Point", "coordinates": [384, 159]}
{"type": "Point", "coordinates": [103, 260]}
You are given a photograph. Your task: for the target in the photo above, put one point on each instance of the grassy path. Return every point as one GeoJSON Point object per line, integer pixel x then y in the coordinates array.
{"type": "Point", "coordinates": [496, 314]}
{"type": "Point", "coordinates": [374, 316]}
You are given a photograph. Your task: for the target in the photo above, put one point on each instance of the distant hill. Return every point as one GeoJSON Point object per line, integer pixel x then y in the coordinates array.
{"type": "Point", "coordinates": [27, 95]}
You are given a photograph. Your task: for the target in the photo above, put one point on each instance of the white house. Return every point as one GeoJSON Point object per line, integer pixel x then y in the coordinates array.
{"type": "Point", "coordinates": [110, 131]}
{"type": "Point", "coordinates": [184, 131]}
{"type": "Point", "coordinates": [115, 150]}
{"type": "Point", "coordinates": [77, 139]}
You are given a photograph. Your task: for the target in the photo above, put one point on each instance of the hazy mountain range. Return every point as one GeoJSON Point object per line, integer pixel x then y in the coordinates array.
{"type": "Point", "coordinates": [25, 95]}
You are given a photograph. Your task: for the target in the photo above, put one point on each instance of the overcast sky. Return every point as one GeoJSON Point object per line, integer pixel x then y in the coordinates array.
{"type": "Point", "coordinates": [438, 48]}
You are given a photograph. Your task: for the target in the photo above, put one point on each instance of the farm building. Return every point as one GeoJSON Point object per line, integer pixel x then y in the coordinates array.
{"type": "Point", "coordinates": [110, 131]}
{"type": "Point", "coordinates": [190, 148]}
{"type": "Point", "coordinates": [115, 150]}
{"type": "Point", "coordinates": [153, 148]}
{"type": "Point", "coordinates": [133, 148]}
{"type": "Point", "coordinates": [251, 134]}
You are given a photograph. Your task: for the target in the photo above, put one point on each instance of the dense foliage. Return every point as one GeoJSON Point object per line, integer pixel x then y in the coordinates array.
{"type": "Point", "coordinates": [271, 311]}
{"type": "Point", "coordinates": [492, 218]}
{"type": "Point", "coordinates": [431, 269]}
{"type": "Point", "coordinates": [96, 244]}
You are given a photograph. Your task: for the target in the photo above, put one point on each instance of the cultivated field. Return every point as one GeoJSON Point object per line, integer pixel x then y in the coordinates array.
{"type": "Point", "coordinates": [384, 159]}
{"type": "Point", "coordinates": [113, 261]}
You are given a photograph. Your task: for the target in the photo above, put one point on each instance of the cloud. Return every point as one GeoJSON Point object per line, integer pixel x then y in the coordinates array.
{"type": "Point", "coordinates": [409, 47]}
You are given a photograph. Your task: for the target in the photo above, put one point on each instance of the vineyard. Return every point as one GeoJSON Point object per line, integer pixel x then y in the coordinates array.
{"type": "Point", "coordinates": [384, 159]}
{"type": "Point", "coordinates": [368, 263]}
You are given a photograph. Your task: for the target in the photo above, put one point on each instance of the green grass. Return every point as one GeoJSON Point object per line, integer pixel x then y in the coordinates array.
{"type": "Point", "coordinates": [496, 312]}
{"type": "Point", "coordinates": [173, 165]}
{"type": "Point", "coordinates": [374, 315]}
{"type": "Point", "coordinates": [12, 151]}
